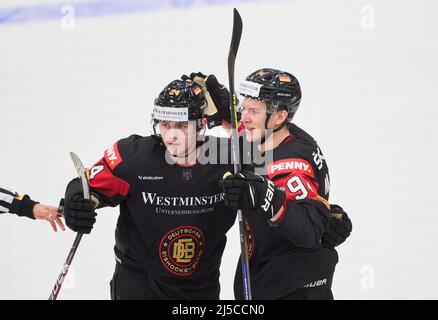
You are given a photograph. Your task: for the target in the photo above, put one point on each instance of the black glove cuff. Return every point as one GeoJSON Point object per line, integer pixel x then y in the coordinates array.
{"type": "Point", "coordinates": [24, 207]}
{"type": "Point", "coordinates": [276, 204]}
{"type": "Point", "coordinates": [214, 120]}
{"type": "Point", "coordinates": [279, 198]}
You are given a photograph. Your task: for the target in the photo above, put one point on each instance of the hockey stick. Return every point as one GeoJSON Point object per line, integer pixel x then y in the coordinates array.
{"type": "Point", "coordinates": [86, 189]}
{"type": "Point", "coordinates": [235, 41]}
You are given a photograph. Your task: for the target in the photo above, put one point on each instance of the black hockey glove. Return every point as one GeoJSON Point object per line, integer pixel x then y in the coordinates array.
{"type": "Point", "coordinates": [194, 75]}
{"type": "Point", "coordinates": [339, 229]}
{"type": "Point", "coordinates": [218, 98]}
{"type": "Point", "coordinates": [79, 213]}
{"type": "Point", "coordinates": [251, 192]}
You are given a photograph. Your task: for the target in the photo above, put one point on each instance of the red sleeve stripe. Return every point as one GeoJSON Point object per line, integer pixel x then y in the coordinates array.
{"type": "Point", "coordinates": [298, 187]}
{"type": "Point", "coordinates": [105, 183]}
{"type": "Point", "coordinates": [113, 157]}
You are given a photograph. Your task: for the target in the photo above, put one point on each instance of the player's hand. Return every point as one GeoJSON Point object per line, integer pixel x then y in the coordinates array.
{"type": "Point", "coordinates": [339, 229]}
{"type": "Point", "coordinates": [49, 213]}
{"type": "Point", "coordinates": [251, 192]}
{"type": "Point", "coordinates": [197, 77]}
{"type": "Point", "coordinates": [218, 98]}
{"type": "Point", "coordinates": [78, 212]}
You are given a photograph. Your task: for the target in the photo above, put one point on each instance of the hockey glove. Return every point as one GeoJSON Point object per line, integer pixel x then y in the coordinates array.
{"type": "Point", "coordinates": [339, 229]}
{"type": "Point", "coordinates": [218, 98]}
{"type": "Point", "coordinates": [250, 192]}
{"type": "Point", "coordinates": [79, 213]}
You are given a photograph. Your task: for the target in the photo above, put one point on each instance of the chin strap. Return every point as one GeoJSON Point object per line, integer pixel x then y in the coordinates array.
{"type": "Point", "coordinates": [268, 117]}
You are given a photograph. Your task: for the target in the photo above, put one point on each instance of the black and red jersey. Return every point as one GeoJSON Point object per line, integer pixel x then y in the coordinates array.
{"type": "Point", "coordinates": [287, 255]}
{"type": "Point", "coordinates": [172, 221]}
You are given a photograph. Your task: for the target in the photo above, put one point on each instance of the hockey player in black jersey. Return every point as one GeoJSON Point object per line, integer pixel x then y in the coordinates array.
{"type": "Point", "coordinates": [170, 233]}
{"type": "Point", "coordinates": [291, 227]}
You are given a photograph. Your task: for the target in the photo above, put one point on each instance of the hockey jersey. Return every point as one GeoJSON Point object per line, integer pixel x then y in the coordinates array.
{"type": "Point", "coordinates": [172, 221]}
{"type": "Point", "coordinates": [287, 255]}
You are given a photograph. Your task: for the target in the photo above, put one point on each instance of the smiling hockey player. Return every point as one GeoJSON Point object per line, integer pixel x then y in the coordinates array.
{"type": "Point", "coordinates": [170, 234]}
{"type": "Point", "coordinates": [290, 224]}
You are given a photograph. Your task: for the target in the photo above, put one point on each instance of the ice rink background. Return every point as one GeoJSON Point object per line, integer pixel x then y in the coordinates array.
{"type": "Point", "coordinates": [78, 75]}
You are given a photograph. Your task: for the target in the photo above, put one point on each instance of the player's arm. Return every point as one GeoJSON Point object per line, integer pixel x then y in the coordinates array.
{"type": "Point", "coordinates": [339, 229]}
{"type": "Point", "coordinates": [108, 187]}
{"type": "Point", "coordinates": [289, 202]}
{"type": "Point", "coordinates": [107, 179]}
{"type": "Point", "coordinates": [305, 215]}
{"type": "Point", "coordinates": [218, 100]}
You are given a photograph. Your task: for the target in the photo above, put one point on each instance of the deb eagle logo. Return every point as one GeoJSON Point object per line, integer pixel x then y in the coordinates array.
{"type": "Point", "coordinates": [181, 250]}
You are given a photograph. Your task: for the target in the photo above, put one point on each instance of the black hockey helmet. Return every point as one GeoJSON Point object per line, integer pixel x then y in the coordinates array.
{"type": "Point", "coordinates": [279, 89]}
{"type": "Point", "coordinates": [181, 100]}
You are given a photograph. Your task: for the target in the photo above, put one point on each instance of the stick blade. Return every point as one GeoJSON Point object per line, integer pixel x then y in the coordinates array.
{"type": "Point", "coordinates": [80, 170]}
{"type": "Point", "coordinates": [237, 32]}
{"type": "Point", "coordinates": [77, 163]}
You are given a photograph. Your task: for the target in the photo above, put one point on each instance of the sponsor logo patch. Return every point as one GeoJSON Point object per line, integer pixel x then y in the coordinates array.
{"type": "Point", "coordinates": [112, 156]}
{"type": "Point", "coordinates": [293, 165]}
{"type": "Point", "coordinates": [181, 250]}
{"type": "Point", "coordinates": [159, 178]}
{"type": "Point", "coordinates": [317, 283]}
{"type": "Point", "coordinates": [171, 114]}
{"type": "Point", "coordinates": [250, 88]}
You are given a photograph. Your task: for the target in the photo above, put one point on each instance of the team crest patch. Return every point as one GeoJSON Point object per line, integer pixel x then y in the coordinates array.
{"type": "Point", "coordinates": [187, 174]}
{"type": "Point", "coordinates": [181, 250]}
{"type": "Point", "coordinates": [174, 92]}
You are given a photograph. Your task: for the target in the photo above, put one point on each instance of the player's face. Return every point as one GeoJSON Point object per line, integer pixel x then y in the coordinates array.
{"type": "Point", "coordinates": [178, 137]}
{"type": "Point", "coordinates": [253, 118]}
